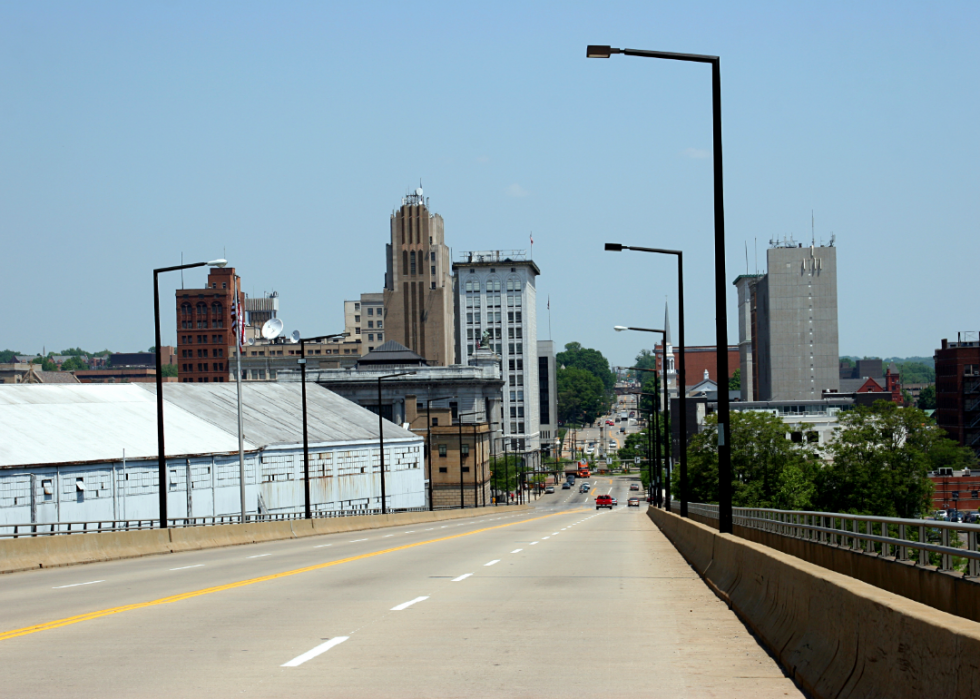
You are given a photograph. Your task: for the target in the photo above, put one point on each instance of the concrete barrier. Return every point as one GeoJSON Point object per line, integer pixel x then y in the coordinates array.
{"type": "Point", "coordinates": [946, 591]}
{"type": "Point", "coordinates": [53, 551]}
{"type": "Point", "coordinates": [29, 553]}
{"type": "Point", "coordinates": [837, 636]}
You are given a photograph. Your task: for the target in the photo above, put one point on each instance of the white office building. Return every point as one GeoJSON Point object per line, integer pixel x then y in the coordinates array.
{"type": "Point", "coordinates": [494, 294]}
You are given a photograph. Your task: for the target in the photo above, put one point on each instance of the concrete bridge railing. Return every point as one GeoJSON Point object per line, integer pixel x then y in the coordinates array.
{"type": "Point", "coordinates": [836, 635]}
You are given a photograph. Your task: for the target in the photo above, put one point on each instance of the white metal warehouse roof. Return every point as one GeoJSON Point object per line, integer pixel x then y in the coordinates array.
{"type": "Point", "coordinates": [67, 423]}
{"type": "Point", "coordinates": [273, 412]}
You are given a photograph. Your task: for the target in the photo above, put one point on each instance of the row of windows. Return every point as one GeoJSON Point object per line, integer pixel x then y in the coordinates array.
{"type": "Point", "coordinates": [203, 366]}
{"type": "Point", "coordinates": [494, 317]}
{"type": "Point", "coordinates": [517, 411]}
{"type": "Point", "coordinates": [202, 309]}
{"type": "Point", "coordinates": [474, 286]}
{"type": "Point", "coordinates": [202, 339]}
{"type": "Point", "coordinates": [204, 379]}
{"type": "Point", "coordinates": [187, 353]}
{"type": "Point", "coordinates": [512, 348]}
{"type": "Point", "coordinates": [517, 379]}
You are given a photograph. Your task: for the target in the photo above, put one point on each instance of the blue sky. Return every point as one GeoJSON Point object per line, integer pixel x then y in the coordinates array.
{"type": "Point", "coordinates": [283, 135]}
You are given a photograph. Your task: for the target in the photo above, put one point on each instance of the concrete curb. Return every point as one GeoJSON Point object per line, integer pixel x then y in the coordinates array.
{"type": "Point", "coordinates": [31, 553]}
{"type": "Point", "coordinates": [837, 636]}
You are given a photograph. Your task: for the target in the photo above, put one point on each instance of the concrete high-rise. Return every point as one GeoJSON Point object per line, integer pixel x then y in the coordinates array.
{"type": "Point", "coordinates": [496, 309]}
{"type": "Point", "coordinates": [418, 303]}
{"type": "Point", "coordinates": [788, 339]}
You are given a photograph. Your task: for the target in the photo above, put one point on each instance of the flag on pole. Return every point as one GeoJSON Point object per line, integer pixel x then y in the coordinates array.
{"type": "Point", "coordinates": [549, 302]}
{"type": "Point", "coordinates": [532, 238]}
{"type": "Point", "coordinates": [238, 322]}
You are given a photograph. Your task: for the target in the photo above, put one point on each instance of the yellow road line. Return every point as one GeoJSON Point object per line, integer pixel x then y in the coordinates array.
{"type": "Point", "coordinates": [47, 626]}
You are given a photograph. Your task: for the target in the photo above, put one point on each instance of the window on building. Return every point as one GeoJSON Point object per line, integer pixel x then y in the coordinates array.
{"type": "Point", "coordinates": [380, 337]}
{"type": "Point", "coordinates": [433, 270]}
{"type": "Point", "coordinates": [443, 469]}
{"type": "Point", "coordinates": [370, 324]}
{"type": "Point", "coordinates": [357, 306]}
{"type": "Point", "coordinates": [464, 449]}
{"type": "Point", "coordinates": [357, 330]}
{"type": "Point", "coordinates": [520, 427]}
{"type": "Point", "coordinates": [513, 427]}
{"type": "Point", "coordinates": [432, 285]}
{"type": "Point", "coordinates": [442, 449]}
{"type": "Point", "coordinates": [370, 337]}
{"type": "Point", "coordinates": [513, 411]}
{"type": "Point", "coordinates": [520, 395]}
{"type": "Point", "coordinates": [370, 311]}
{"type": "Point", "coordinates": [378, 324]}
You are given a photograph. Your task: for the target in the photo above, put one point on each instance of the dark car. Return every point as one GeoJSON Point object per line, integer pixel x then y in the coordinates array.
{"type": "Point", "coordinates": [566, 486]}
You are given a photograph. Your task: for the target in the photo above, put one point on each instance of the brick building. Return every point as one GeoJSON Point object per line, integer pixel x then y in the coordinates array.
{"type": "Point", "coordinates": [205, 339]}
{"type": "Point", "coordinates": [955, 490]}
{"type": "Point", "coordinates": [958, 389]}
{"type": "Point", "coordinates": [698, 360]}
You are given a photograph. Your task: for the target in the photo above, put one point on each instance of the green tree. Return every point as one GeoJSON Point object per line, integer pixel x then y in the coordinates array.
{"type": "Point", "coordinates": [768, 470]}
{"type": "Point", "coordinates": [644, 360]}
{"type": "Point", "coordinates": [927, 398]}
{"type": "Point", "coordinates": [7, 356]}
{"type": "Point", "coordinates": [75, 352]}
{"type": "Point", "coordinates": [590, 360]}
{"type": "Point", "coordinates": [73, 363]}
{"type": "Point", "coordinates": [46, 363]}
{"type": "Point", "coordinates": [581, 396]}
{"type": "Point", "coordinates": [882, 455]}
{"type": "Point", "coordinates": [916, 372]}
{"type": "Point", "coordinates": [735, 382]}
{"type": "Point", "coordinates": [169, 370]}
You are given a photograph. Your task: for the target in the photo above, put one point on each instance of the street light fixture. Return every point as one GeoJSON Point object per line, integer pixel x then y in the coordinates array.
{"type": "Point", "coordinates": [668, 447]}
{"type": "Point", "coordinates": [721, 306]}
{"type": "Point", "coordinates": [682, 368]}
{"type": "Point", "coordinates": [161, 449]}
{"type": "Point", "coordinates": [381, 436]}
{"type": "Point", "coordinates": [306, 443]}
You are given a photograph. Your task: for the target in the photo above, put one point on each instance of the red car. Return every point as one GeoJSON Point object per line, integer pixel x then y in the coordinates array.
{"type": "Point", "coordinates": [610, 422]}
{"type": "Point", "coordinates": [603, 501]}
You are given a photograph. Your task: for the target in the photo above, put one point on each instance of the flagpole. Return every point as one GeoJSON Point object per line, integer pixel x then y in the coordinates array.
{"type": "Point", "coordinates": [239, 326]}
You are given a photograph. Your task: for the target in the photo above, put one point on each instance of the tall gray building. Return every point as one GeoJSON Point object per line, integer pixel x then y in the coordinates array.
{"type": "Point", "coordinates": [787, 325]}
{"type": "Point", "coordinates": [495, 302]}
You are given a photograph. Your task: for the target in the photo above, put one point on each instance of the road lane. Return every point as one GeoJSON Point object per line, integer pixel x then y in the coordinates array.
{"type": "Point", "coordinates": [470, 630]}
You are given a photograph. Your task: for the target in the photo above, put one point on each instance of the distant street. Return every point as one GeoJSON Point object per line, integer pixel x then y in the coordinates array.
{"type": "Point", "coordinates": [563, 601]}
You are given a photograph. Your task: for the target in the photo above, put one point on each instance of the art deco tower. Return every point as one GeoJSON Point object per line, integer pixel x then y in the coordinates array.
{"type": "Point", "coordinates": [418, 294]}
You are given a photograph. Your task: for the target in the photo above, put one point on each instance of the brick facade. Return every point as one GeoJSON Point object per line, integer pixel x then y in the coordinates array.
{"type": "Point", "coordinates": [205, 337]}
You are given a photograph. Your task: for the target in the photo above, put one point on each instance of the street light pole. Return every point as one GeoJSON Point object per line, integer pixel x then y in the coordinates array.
{"type": "Point", "coordinates": [721, 304]}
{"type": "Point", "coordinates": [682, 367]}
{"type": "Point", "coordinates": [381, 437]}
{"type": "Point", "coordinates": [161, 448]}
{"type": "Point", "coordinates": [306, 442]}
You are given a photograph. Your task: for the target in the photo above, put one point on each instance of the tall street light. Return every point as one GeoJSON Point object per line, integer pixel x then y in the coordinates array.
{"type": "Point", "coordinates": [428, 439]}
{"type": "Point", "coordinates": [381, 436]}
{"type": "Point", "coordinates": [682, 368]}
{"type": "Point", "coordinates": [653, 445]}
{"type": "Point", "coordinates": [161, 449]}
{"type": "Point", "coordinates": [669, 427]}
{"type": "Point", "coordinates": [721, 306]}
{"type": "Point", "coordinates": [306, 442]}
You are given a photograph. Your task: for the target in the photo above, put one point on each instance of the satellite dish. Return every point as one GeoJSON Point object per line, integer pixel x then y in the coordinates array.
{"type": "Point", "coordinates": [418, 192]}
{"type": "Point", "coordinates": [272, 329]}
{"type": "Point", "coordinates": [294, 338]}
{"type": "Point", "coordinates": [251, 341]}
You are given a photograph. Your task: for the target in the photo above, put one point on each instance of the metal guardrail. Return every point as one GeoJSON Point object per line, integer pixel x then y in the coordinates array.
{"type": "Point", "coordinates": [888, 537]}
{"type": "Point", "coordinates": [15, 531]}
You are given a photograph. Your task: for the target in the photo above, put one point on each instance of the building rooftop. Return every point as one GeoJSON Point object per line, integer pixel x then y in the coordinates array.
{"type": "Point", "coordinates": [96, 422]}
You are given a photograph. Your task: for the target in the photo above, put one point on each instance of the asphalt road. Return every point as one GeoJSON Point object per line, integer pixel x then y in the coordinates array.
{"type": "Point", "coordinates": [564, 601]}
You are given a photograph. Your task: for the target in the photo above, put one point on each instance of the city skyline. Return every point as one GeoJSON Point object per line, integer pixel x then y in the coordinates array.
{"type": "Point", "coordinates": [138, 134]}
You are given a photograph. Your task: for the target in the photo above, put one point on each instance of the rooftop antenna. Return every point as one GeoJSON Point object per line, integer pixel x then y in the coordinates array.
{"type": "Point", "coordinates": [182, 271]}
{"type": "Point", "coordinates": [812, 229]}
{"type": "Point", "coordinates": [746, 257]}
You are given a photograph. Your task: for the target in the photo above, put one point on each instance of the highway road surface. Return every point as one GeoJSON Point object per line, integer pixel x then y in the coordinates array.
{"type": "Point", "coordinates": [563, 601]}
